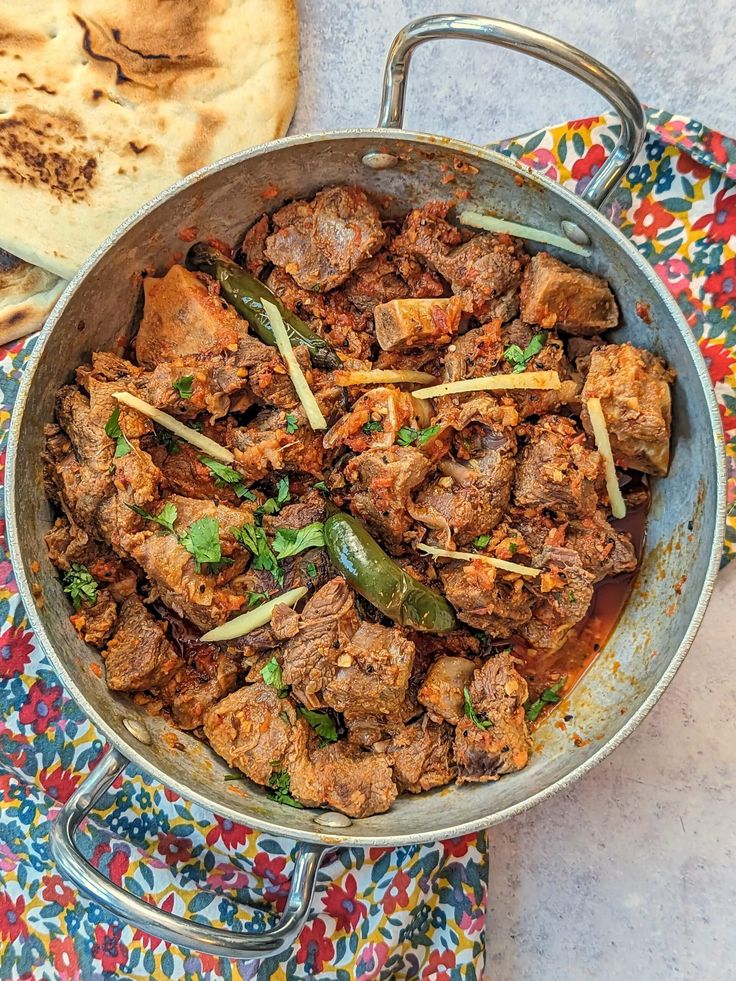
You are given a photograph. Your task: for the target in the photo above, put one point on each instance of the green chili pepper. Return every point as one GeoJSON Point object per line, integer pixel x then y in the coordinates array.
{"type": "Point", "coordinates": [244, 292]}
{"type": "Point", "coordinates": [361, 560]}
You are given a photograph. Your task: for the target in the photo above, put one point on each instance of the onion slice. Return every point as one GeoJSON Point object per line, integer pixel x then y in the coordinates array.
{"type": "Point", "coordinates": [490, 224]}
{"type": "Point", "coordinates": [603, 442]}
{"type": "Point", "coordinates": [488, 383]}
{"type": "Point", "coordinates": [304, 392]}
{"type": "Point", "coordinates": [520, 570]}
{"type": "Point", "coordinates": [382, 376]}
{"type": "Point", "coordinates": [246, 622]}
{"type": "Point", "coordinates": [204, 443]}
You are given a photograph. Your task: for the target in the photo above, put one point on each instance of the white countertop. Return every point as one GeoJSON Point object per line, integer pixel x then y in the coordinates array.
{"type": "Point", "coordinates": [631, 873]}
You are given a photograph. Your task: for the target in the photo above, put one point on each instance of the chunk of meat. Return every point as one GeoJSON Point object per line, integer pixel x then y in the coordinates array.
{"type": "Point", "coordinates": [602, 550]}
{"type": "Point", "coordinates": [497, 693]}
{"type": "Point", "coordinates": [382, 482]}
{"type": "Point", "coordinates": [182, 315]}
{"type": "Point", "coordinates": [94, 622]}
{"type": "Point", "coordinates": [421, 756]}
{"type": "Point", "coordinates": [634, 388]}
{"type": "Point", "coordinates": [486, 600]}
{"type": "Point", "coordinates": [556, 470]}
{"type": "Point", "coordinates": [426, 235]}
{"type": "Point", "coordinates": [310, 507]}
{"type": "Point", "coordinates": [373, 671]}
{"type": "Point", "coordinates": [344, 779]}
{"type": "Point", "coordinates": [326, 624]}
{"type": "Point", "coordinates": [442, 690]}
{"type": "Point", "coordinates": [469, 499]}
{"type": "Point", "coordinates": [564, 599]}
{"type": "Point", "coordinates": [185, 474]}
{"type": "Point", "coordinates": [256, 731]}
{"type": "Point", "coordinates": [554, 294]}
{"type": "Point", "coordinates": [474, 354]}
{"type": "Point", "coordinates": [551, 357]}
{"type": "Point", "coordinates": [68, 543]}
{"type": "Point", "coordinates": [139, 655]}
{"type": "Point", "coordinates": [486, 273]}
{"type": "Point", "coordinates": [252, 253]}
{"type": "Point", "coordinates": [409, 323]}
{"type": "Point", "coordinates": [265, 446]}
{"type": "Point", "coordinates": [373, 421]}
{"type": "Point", "coordinates": [320, 242]}
{"type": "Point", "coordinates": [387, 277]}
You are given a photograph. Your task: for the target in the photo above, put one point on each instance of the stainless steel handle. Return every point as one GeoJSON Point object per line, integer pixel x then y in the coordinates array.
{"type": "Point", "coordinates": [538, 45]}
{"type": "Point", "coordinates": [169, 926]}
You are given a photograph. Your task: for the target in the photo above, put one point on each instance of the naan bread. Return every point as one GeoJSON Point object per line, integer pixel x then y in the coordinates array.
{"type": "Point", "coordinates": [103, 103]}
{"type": "Point", "coordinates": [27, 295]}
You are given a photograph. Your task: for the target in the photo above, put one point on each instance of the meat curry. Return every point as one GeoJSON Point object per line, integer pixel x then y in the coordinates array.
{"type": "Point", "coordinates": [350, 509]}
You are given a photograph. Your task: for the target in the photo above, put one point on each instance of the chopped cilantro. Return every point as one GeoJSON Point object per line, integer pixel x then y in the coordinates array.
{"type": "Point", "coordinates": [255, 598]}
{"type": "Point", "coordinates": [167, 440]}
{"type": "Point", "coordinates": [183, 386]}
{"type": "Point", "coordinates": [81, 585]}
{"type": "Point", "coordinates": [284, 716]}
{"type": "Point", "coordinates": [113, 430]}
{"type": "Point", "coordinates": [227, 477]}
{"type": "Point", "coordinates": [513, 547]}
{"type": "Point", "coordinates": [253, 537]}
{"type": "Point", "coordinates": [481, 541]}
{"type": "Point", "coordinates": [520, 359]}
{"type": "Point", "coordinates": [472, 714]}
{"type": "Point", "coordinates": [291, 541]}
{"type": "Point", "coordinates": [372, 426]}
{"type": "Point", "coordinates": [571, 597]}
{"type": "Point", "coordinates": [311, 570]}
{"type": "Point", "coordinates": [407, 435]}
{"type": "Point", "coordinates": [280, 785]}
{"type": "Point", "coordinates": [233, 776]}
{"type": "Point", "coordinates": [165, 517]}
{"type": "Point", "coordinates": [202, 540]}
{"type": "Point", "coordinates": [274, 504]}
{"type": "Point", "coordinates": [292, 423]}
{"type": "Point", "coordinates": [271, 674]}
{"type": "Point", "coordinates": [550, 696]}
{"type": "Point", "coordinates": [323, 724]}
{"type": "Point", "coordinates": [321, 486]}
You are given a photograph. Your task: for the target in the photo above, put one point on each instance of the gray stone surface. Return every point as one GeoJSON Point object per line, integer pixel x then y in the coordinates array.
{"type": "Point", "coordinates": [631, 874]}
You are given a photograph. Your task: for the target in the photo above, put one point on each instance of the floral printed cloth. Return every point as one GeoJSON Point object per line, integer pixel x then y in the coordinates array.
{"type": "Point", "coordinates": [381, 914]}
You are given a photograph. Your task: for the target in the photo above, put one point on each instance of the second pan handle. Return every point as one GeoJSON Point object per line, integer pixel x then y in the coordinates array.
{"type": "Point", "coordinates": [537, 45]}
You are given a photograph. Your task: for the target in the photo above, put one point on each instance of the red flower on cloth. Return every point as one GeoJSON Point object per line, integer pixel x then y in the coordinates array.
{"type": "Point", "coordinates": [12, 924]}
{"type": "Point", "coordinates": [54, 891]}
{"type": "Point", "coordinates": [109, 949]}
{"type": "Point", "coordinates": [720, 224]}
{"type": "Point", "coordinates": [342, 905]}
{"type": "Point", "coordinates": [15, 651]}
{"type": "Point", "coordinates": [458, 847]}
{"type": "Point", "coordinates": [713, 143]}
{"type": "Point", "coordinates": [586, 123]}
{"type": "Point", "coordinates": [722, 283]}
{"type": "Point", "coordinates": [591, 163]}
{"type": "Point", "coordinates": [396, 894]}
{"type": "Point", "coordinates": [66, 962]}
{"type": "Point", "coordinates": [272, 870]}
{"type": "Point", "coordinates": [42, 708]}
{"type": "Point", "coordinates": [728, 421]}
{"type": "Point", "coordinates": [438, 961]}
{"type": "Point", "coordinates": [650, 218]}
{"type": "Point", "coordinates": [58, 783]}
{"type": "Point", "coordinates": [314, 947]}
{"type": "Point", "coordinates": [689, 165]}
{"type": "Point", "coordinates": [145, 939]}
{"type": "Point", "coordinates": [118, 864]}
{"type": "Point", "coordinates": [675, 274]}
{"type": "Point", "coordinates": [233, 835]}
{"type": "Point", "coordinates": [720, 359]}
{"type": "Point", "coordinates": [174, 849]}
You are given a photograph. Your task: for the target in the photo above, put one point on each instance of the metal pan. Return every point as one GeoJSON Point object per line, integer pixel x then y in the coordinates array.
{"type": "Point", "coordinates": [685, 527]}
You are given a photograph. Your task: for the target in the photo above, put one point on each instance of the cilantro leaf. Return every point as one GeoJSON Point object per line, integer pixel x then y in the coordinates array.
{"type": "Point", "coordinates": [473, 715]}
{"type": "Point", "coordinates": [292, 423]}
{"type": "Point", "coordinates": [311, 570]}
{"type": "Point", "coordinates": [233, 776]}
{"type": "Point", "coordinates": [183, 386]}
{"type": "Point", "coordinates": [227, 477]}
{"type": "Point", "coordinates": [291, 541]}
{"type": "Point", "coordinates": [167, 440]}
{"type": "Point", "coordinates": [202, 540]}
{"type": "Point", "coordinates": [274, 504]}
{"type": "Point", "coordinates": [550, 696]}
{"type": "Point", "coordinates": [372, 426]}
{"type": "Point", "coordinates": [271, 674]}
{"type": "Point", "coordinates": [407, 435]}
{"type": "Point", "coordinates": [253, 537]}
{"type": "Point", "coordinates": [81, 585]}
{"type": "Point", "coordinates": [520, 359]}
{"type": "Point", "coordinates": [165, 517]}
{"type": "Point", "coordinates": [280, 785]}
{"type": "Point", "coordinates": [113, 430]}
{"type": "Point", "coordinates": [320, 485]}
{"type": "Point", "coordinates": [481, 541]}
{"type": "Point", "coordinates": [322, 723]}
{"type": "Point", "coordinates": [513, 547]}
{"type": "Point", "coordinates": [256, 598]}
